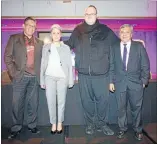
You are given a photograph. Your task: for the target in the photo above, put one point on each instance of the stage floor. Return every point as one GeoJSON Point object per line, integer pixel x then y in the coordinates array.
{"type": "Point", "coordinates": [76, 136]}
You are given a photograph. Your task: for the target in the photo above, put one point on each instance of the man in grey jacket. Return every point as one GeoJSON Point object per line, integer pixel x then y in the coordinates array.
{"type": "Point", "coordinates": [130, 73]}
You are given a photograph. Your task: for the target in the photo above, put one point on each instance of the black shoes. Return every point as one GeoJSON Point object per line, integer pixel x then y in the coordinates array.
{"type": "Point", "coordinates": [107, 131]}
{"type": "Point", "coordinates": [56, 131]}
{"type": "Point", "coordinates": [53, 132]}
{"type": "Point", "coordinates": [138, 136]}
{"type": "Point", "coordinates": [89, 130]}
{"type": "Point", "coordinates": [99, 129]}
{"type": "Point", "coordinates": [34, 130]}
{"type": "Point", "coordinates": [59, 131]}
{"type": "Point", "coordinates": [13, 134]}
{"type": "Point", "coordinates": [121, 134]}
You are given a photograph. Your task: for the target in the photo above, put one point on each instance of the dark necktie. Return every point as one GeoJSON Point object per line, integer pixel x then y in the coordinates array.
{"type": "Point", "coordinates": [124, 57]}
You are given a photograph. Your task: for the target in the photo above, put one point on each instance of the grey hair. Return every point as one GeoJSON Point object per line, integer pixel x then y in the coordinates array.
{"type": "Point", "coordinates": [127, 25]}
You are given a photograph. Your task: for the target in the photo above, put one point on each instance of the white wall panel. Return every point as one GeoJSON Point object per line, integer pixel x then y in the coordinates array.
{"type": "Point", "coordinates": [110, 8]}
{"type": "Point", "coordinates": [12, 8]}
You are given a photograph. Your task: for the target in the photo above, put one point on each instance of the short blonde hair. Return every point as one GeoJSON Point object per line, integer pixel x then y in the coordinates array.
{"type": "Point", "coordinates": [57, 26]}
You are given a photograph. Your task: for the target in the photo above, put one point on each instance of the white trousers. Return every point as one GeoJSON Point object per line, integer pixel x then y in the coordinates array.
{"type": "Point", "coordinates": [56, 90]}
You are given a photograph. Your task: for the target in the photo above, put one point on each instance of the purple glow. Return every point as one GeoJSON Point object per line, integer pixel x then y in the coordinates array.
{"type": "Point", "coordinates": [69, 24]}
{"type": "Point", "coordinates": [144, 29]}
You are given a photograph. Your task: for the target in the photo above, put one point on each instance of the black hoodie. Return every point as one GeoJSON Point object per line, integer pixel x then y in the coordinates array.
{"type": "Point", "coordinates": [92, 44]}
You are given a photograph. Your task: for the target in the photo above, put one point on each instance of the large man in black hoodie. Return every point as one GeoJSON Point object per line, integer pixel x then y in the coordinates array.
{"type": "Point", "coordinates": [93, 42]}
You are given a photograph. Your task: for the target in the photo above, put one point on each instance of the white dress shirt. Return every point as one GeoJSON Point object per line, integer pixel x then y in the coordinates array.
{"type": "Point", "coordinates": [128, 51]}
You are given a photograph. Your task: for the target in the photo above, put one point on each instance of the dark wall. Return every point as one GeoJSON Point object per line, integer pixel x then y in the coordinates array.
{"type": "Point", "coordinates": [74, 111]}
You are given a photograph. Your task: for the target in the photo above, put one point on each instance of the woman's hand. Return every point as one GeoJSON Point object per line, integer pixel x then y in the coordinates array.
{"type": "Point", "coordinates": [43, 86]}
{"type": "Point", "coordinates": [70, 86]}
{"type": "Point", "coordinates": [138, 40]}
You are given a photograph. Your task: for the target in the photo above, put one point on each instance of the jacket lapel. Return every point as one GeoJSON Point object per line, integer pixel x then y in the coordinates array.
{"type": "Point", "coordinates": [35, 48]}
{"type": "Point", "coordinates": [23, 43]}
{"type": "Point", "coordinates": [119, 55]}
{"type": "Point", "coordinates": [47, 53]}
{"type": "Point", "coordinates": [131, 54]}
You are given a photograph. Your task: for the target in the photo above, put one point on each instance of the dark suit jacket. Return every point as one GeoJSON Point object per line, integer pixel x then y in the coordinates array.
{"type": "Point", "coordinates": [138, 67]}
{"type": "Point", "coordinates": [15, 56]}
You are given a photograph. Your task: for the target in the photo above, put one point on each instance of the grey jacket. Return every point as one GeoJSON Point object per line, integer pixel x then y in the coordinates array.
{"type": "Point", "coordinates": [65, 57]}
{"type": "Point", "coordinates": [138, 72]}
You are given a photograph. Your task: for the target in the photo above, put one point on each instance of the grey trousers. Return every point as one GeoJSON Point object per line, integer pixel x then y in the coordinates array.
{"type": "Point", "coordinates": [135, 98]}
{"type": "Point", "coordinates": [26, 89]}
{"type": "Point", "coordinates": [56, 90]}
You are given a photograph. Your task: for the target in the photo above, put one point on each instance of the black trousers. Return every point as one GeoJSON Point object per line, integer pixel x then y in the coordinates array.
{"type": "Point", "coordinates": [94, 93]}
{"type": "Point", "coordinates": [135, 98]}
{"type": "Point", "coordinates": [26, 89]}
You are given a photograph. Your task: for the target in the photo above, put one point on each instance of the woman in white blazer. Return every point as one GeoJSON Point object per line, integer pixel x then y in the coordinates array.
{"type": "Point", "coordinates": [56, 76]}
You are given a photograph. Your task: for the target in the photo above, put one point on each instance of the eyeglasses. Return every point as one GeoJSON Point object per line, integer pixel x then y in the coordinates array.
{"type": "Point", "coordinates": [92, 14]}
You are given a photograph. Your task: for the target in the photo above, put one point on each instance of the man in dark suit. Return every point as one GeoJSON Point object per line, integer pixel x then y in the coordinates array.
{"type": "Point", "coordinates": [130, 73]}
{"type": "Point", "coordinates": [23, 57]}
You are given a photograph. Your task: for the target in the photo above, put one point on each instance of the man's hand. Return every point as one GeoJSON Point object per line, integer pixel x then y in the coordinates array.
{"type": "Point", "coordinates": [111, 87]}
{"type": "Point", "coordinates": [140, 41]}
{"type": "Point", "coordinates": [143, 85]}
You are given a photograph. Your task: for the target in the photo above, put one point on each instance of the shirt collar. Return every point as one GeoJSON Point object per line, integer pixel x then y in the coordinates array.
{"type": "Point", "coordinates": [128, 43]}
{"type": "Point", "coordinates": [30, 39]}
